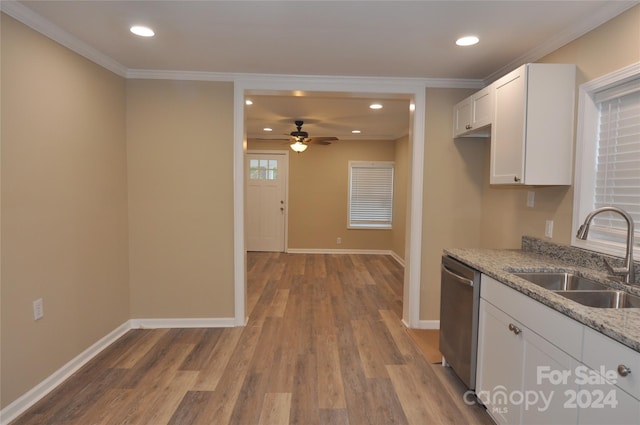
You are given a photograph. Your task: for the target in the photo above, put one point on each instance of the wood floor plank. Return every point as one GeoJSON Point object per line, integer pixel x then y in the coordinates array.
{"type": "Point", "coordinates": [279, 303]}
{"type": "Point", "coordinates": [372, 363]}
{"type": "Point", "coordinates": [414, 399]}
{"type": "Point", "coordinates": [220, 355]}
{"type": "Point", "coordinates": [149, 386]}
{"type": "Point", "coordinates": [330, 386]}
{"type": "Point", "coordinates": [199, 357]}
{"type": "Point", "coordinates": [170, 397]}
{"type": "Point", "coordinates": [398, 333]}
{"type": "Point", "coordinates": [221, 406]}
{"type": "Point", "coordinates": [275, 409]}
{"type": "Point", "coordinates": [134, 353]}
{"type": "Point", "coordinates": [304, 398]}
{"type": "Point", "coordinates": [192, 408]}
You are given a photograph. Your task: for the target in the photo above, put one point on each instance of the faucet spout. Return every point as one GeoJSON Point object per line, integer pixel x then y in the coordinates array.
{"type": "Point", "coordinates": [628, 269]}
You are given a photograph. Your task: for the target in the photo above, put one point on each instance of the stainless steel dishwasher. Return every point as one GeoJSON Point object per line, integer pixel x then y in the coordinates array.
{"type": "Point", "coordinates": [459, 302]}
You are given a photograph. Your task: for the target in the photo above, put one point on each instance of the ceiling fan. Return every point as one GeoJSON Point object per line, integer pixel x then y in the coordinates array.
{"type": "Point", "coordinates": [300, 139]}
{"type": "Point", "coordinates": [303, 136]}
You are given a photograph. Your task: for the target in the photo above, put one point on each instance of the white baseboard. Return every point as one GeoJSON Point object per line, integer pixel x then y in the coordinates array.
{"type": "Point", "coordinates": [428, 324]}
{"type": "Point", "coordinates": [395, 256]}
{"type": "Point", "coordinates": [338, 251]}
{"type": "Point", "coordinates": [32, 396]}
{"type": "Point", "coordinates": [223, 322]}
{"type": "Point", "coordinates": [423, 324]}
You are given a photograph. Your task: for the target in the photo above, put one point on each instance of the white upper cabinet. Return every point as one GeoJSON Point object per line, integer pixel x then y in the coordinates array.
{"type": "Point", "coordinates": [532, 128]}
{"type": "Point", "coordinates": [472, 116]}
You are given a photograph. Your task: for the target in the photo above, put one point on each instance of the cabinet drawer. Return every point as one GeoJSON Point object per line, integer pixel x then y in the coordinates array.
{"type": "Point", "coordinates": [602, 352]}
{"type": "Point", "coordinates": [562, 331]}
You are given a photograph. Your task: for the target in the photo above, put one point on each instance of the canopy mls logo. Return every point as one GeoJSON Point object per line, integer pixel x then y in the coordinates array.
{"type": "Point", "coordinates": [590, 390]}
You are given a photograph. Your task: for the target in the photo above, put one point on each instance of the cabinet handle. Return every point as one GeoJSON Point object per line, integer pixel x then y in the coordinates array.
{"type": "Point", "coordinates": [468, 127]}
{"type": "Point", "coordinates": [516, 179]}
{"type": "Point", "coordinates": [623, 370]}
{"type": "Point", "coordinates": [516, 330]}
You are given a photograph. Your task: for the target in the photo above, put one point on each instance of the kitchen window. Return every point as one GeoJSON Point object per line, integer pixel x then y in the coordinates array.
{"type": "Point", "coordinates": [608, 159]}
{"type": "Point", "coordinates": [370, 195]}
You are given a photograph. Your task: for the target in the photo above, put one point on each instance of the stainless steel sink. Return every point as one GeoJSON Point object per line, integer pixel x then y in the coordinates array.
{"type": "Point", "coordinates": [562, 281]}
{"type": "Point", "coordinates": [603, 299]}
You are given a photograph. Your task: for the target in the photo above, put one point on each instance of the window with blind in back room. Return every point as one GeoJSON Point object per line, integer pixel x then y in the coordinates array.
{"type": "Point", "coordinates": [370, 194]}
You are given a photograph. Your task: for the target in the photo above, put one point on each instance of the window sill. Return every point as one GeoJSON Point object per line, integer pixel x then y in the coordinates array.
{"type": "Point", "coordinates": [609, 248]}
{"type": "Point", "coordinates": [368, 227]}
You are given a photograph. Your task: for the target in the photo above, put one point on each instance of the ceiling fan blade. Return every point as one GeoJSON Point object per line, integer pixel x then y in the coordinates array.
{"type": "Point", "coordinates": [321, 140]}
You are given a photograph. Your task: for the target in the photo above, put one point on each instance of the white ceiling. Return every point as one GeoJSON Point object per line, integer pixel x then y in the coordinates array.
{"type": "Point", "coordinates": [406, 39]}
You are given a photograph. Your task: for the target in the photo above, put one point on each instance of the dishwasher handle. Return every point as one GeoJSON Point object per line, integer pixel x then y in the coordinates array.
{"type": "Point", "coordinates": [456, 277]}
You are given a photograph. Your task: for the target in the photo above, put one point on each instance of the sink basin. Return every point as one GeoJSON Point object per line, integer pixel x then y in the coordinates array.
{"type": "Point", "coordinates": [603, 299]}
{"type": "Point", "coordinates": [562, 281]}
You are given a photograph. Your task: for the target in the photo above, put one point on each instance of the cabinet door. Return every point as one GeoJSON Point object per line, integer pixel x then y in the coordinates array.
{"type": "Point", "coordinates": [507, 130]}
{"type": "Point", "coordinates": [500, 363]}
{"type": "Point", "coordinates": [548, 381]}
{"type": "Point", "coordinates": [482, 108]}
{"type": "Point", "coordinates": [462, 117]}
{"type": "Point", "coordinates": [605, 403]}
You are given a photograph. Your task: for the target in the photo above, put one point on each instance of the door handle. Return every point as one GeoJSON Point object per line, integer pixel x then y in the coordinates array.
{"type": "Point", "coordinates": [456, 277]}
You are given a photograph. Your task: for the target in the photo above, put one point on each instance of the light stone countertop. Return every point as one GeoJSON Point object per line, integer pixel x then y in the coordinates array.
{"type": "Point", "coordinates": [623, 325]}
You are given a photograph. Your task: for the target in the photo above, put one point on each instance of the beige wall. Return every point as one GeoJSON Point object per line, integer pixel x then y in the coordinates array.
{"type": "Point", "coordinates": [180, 166]}
{"type": "Point", "coordinates": [64, 206]}
{"type": "Point", "coordinates": [506, 218]}
{"type": "Point", "coordinates": [319, 192]}
{"type": "Point", "coordinates": [452, 203]}
{"type": "Point", "coordinates": [402, 171]}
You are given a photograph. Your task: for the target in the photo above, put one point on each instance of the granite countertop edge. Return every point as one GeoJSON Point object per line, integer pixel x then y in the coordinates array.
{"type": "Point", "coordinates": [622, 325]}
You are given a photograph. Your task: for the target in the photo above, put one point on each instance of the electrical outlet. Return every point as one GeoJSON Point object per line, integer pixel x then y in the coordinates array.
{"type": "Point", "coordinates": [338, 240]}
{"type": "Point", "coordinates": [531, 196]}
{"type": "Point", "coordinates": [38, 309]}
{"type": "Point", "coordinates": [548, 229]}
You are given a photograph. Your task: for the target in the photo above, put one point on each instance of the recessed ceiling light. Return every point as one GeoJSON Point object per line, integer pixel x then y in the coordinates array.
{"type": "Point", "coordinates": [142, 31]}
{"type": "Point", "coordinates": [375, 106]}
{"type": "Point", "coordinates": [356, 131]}
{"type": "Point", "coordinates": [268, 129]}
{"type": "Point", "coordinates": [469, 40]}
{"type": "Point", "coordinates": [248, 102]}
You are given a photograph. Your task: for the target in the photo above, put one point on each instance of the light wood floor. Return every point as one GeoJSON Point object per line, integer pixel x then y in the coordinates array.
{"type": "Point", "coordinates": [324, 345]}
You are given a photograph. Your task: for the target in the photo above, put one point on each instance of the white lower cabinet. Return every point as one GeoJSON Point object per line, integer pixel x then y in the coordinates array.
{"type": "Point", "coordinates": [518, 372]}
{"type": "Point", "coordinates": [537, 366]}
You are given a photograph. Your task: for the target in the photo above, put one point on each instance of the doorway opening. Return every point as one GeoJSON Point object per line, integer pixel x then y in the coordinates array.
{"type": "Point", "coordinates": [412, 91]}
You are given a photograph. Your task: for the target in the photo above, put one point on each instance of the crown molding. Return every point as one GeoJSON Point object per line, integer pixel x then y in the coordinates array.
{"type": "Point", "coordinates": [152, 74]}
{"type": "Point", "coordinates": [57, 34]}
{"type": "Point", "coordinates": [60, 36]}
{"type": "Point", "coordinates": [606, 13]}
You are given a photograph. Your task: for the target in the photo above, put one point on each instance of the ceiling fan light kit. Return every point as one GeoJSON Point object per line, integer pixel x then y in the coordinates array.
{"type": "Point", "coordinates": [298, 146]}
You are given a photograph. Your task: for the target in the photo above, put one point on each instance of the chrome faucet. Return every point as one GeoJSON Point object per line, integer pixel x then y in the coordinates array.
{"type": "Point", "coordinates": [628, 268]}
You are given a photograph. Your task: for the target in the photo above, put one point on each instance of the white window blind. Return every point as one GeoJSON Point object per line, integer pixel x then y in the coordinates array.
{"type": "Point", "coordinates": [617, 174]}
{"type": "Point", "coordinates": [370, 194]}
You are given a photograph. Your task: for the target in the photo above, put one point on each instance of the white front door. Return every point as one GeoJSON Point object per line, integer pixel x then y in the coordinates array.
{"type": "Point", "coordinates": [266, 175]}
